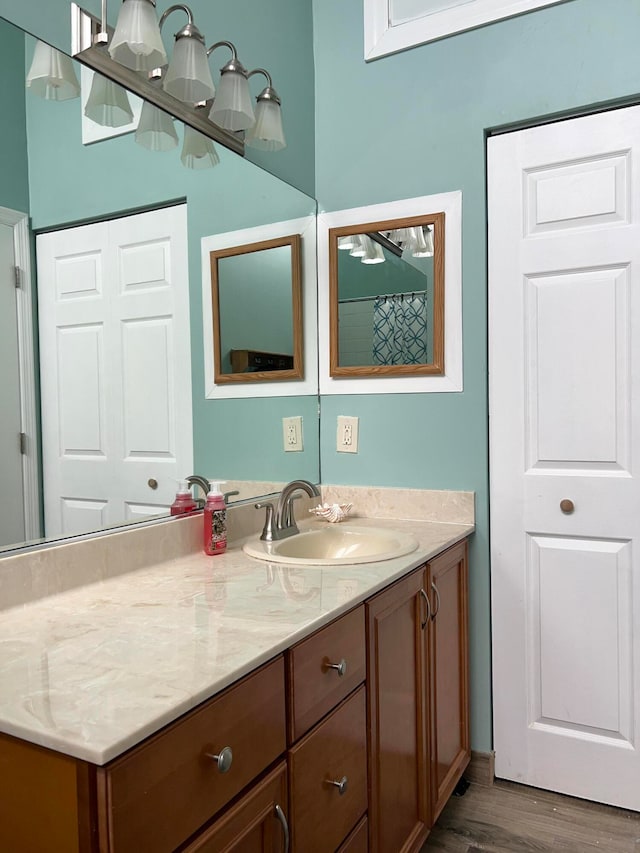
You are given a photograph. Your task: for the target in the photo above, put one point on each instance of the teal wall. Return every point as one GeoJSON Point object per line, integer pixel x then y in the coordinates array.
{"type": "Point", "coordinates": [411, 124]}
{"type": "Point", "coordinates": [14, 174]}
{"type": "Point", "coordinates": [276, 35]}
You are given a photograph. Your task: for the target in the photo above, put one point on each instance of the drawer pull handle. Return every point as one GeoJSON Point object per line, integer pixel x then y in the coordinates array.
{"type": "Point", "coordinates": [285, 828]}
{"type": "Point", "coordinates": [223, 759]}
{"type": "Point", "coordinates": [341, 784]}
{"type": "Point", "coordinates": [340, 668]}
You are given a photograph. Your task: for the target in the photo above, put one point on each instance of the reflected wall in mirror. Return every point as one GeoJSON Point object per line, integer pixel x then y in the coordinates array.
{"type": "Point", "coordinates": [48, 186]}
{"type": "Point", "coordinates": [386, 297]}
{"type": "Point", "coordinates": [256, 305]}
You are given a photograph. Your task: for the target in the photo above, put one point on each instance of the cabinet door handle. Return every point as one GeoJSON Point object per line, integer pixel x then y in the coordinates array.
{"type": "Point", "coordinates": [340, 784]}
{"type": "Point", "coordinates": [437, 594]}
{"type": "Point", "coordinates": [340, 668]}
{"type": "Point", "coordinates": [223, 759]}
{"type": "Point", "coordinates": [285, 828]}
{"type": "Point", "coordinates": [425, 621]}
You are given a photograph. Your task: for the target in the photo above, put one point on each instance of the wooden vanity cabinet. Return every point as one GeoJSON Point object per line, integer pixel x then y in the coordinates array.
{"type": "Point", "coordinates": [257, 823]}
{"type": "Point", "coordinates": [399, 815]}
{"type": "Point", "coordinates": [417, 676]}
{"type": "Point", "coordinates": [450, 750]}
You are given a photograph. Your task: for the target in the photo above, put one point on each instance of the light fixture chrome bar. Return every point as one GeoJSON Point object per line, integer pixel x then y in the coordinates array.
{"type": "Point", "coordinates": [387, 244]}
{"type": "Point", "coordinates": [84, 28]}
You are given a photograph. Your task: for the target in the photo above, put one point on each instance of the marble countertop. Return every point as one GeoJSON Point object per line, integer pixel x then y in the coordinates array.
{"type": "Point", "coordinates": [93, 671]}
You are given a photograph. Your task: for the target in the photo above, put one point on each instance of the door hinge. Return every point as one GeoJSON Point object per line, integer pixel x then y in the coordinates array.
{"type": "Point", "coordinates": [23, 443]}
{"type": "Point", "coordinates": [17, 272]}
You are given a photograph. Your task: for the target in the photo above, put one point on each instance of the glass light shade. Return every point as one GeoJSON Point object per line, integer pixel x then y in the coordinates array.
{"type": "Point", "coordinates": [155, 129]}
{"type": "Point", "coordinates": [373, 253]}
{"type": "Point", "coordinates": [188, 76]}
{"type": "Point", "coordinates": [417, 243]}
{"type": "Point", "coordinates": [52, 75]}
{"type": "Point", "coordinates": [197, 150]}
{"type": "Point", "coordinates": [359, 246]}
{"type": "Point", "coordinates": [136, 42]}
{"type": "Point", "coordinates": [232, 107]}
{"type": "Point", "coordinates": [108, 104]}
{"type": "Point", "coordinates": [267, 133]}
{"type": "Point", "coordinates": [347, 242]}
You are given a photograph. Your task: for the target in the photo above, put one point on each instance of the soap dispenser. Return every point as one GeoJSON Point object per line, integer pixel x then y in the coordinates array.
{"type": "Point", "coordinates": [215, 521]}
{"type": "Point", "coordinates": [184, 502]}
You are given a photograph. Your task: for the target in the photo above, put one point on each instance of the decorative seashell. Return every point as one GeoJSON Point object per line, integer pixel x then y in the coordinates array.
{"type": "Point", "coordinates": [331, 512]}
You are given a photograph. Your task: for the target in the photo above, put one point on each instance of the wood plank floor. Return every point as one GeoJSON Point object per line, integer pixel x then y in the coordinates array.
{"type": "Point", "coordinates": [509, 818]}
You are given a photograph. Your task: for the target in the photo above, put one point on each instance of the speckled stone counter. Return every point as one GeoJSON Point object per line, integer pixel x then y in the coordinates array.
{"type": "Point", "coordinates": [93, 670]}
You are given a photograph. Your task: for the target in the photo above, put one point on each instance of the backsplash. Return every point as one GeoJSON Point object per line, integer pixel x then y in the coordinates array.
{"type": "Point", "coordinates": [29, 575]}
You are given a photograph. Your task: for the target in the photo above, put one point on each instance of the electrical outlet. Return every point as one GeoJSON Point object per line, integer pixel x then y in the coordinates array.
{"type": "Point", "coordinates": [347, 439]}
{"type": "Point", "coordinates": [292, 433]}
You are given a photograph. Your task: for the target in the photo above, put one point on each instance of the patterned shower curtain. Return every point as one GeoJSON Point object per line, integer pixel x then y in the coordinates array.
{"type": "Point", "coordinates": [400, 329]}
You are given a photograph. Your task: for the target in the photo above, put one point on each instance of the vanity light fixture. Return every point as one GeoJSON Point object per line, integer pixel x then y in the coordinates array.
{"type": "Point", "coordinates": [232, 107]}
{"type": "Point", "coordinates": [373, 252]}
{"type": "Point", "coordinates": [188, 76]}
{"type": "Point", "coordinates": [359, 247]}
{"type": "Point", "coordinates": [51, 75]}
{"type": "Point", "coordinates": [267, 133]}
{"type": "Point", "coordinates": [136, 41]}
{"type": "Point", "coordinates": [155, 129]}
{"type": "Point", "coordinates": [133, 55]}
{"type": "Point", "coordinates": [108, 104]}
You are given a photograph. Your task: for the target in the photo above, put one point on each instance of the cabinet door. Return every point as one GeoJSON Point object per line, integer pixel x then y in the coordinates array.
{"type": "Point", "coordinates": [448, 673]}
{"type": "Point", "coordinates": [396, 673]}
{"type": "Point", "coordinates": [256, 824]}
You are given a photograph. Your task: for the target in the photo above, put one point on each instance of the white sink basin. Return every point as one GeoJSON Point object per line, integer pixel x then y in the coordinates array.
{"type": "Point", "coordinates": [335, 545]}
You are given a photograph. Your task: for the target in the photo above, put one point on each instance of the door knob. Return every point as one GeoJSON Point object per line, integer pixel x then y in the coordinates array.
{"type": "Point", "coordinates": [567, 506]}
{"type": "Point", "coordinates": [152, 483]}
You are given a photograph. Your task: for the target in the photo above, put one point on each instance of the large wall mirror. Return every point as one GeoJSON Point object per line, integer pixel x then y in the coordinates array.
{"type": "Point", "coordinates": [53, 184]}
{"type": "Point", "coordinates": [256, 301]}
{"type": "Point", "coordinates": [386, 292]}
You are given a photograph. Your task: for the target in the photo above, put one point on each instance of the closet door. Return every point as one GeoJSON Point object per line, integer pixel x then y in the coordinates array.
{"type": "Point", "coordinates": [564, 282]}
{"type": "Point", "coordinates": [115, 369]}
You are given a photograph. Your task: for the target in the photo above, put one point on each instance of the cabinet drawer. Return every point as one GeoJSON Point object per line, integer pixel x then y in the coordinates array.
{"type": "Point", "coordinates": [161, 792]}
{"type": "Point", "coordinates": [252, 824]}
{"type": "Point", "coordinates": [358, 841]}
{"type": "Point", "coordinates": [321, 816]}
{"type": "Point", "coordinates": [314, 687]}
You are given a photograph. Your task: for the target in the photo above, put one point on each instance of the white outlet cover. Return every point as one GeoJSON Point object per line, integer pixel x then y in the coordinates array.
{"type": "Point", "coordinates": [347, 436]}
{"type": "Point", "coordinates": [292, 433]}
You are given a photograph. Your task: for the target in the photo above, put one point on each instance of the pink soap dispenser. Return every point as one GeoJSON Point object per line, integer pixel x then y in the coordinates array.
{"type": "Point", "coordinates": [184, 502]}
{"type": "Point", "coordinates": [215, 521]}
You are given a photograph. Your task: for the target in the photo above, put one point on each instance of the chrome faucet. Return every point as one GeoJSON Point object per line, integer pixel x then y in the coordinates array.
{"type": "Point", "coordinates": [280, 523]}
{"type": "Point", "coordinates": [204, 485]}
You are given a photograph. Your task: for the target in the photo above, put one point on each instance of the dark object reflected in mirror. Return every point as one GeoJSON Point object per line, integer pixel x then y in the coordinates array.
{"type": "Point", "coordinates": [257, 311]}
{"type": "Point", "coordinates": [386, 297]}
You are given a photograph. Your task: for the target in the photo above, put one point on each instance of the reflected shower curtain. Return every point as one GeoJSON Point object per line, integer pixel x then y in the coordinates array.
{"type": "Point", "coordinates": [400, 329]}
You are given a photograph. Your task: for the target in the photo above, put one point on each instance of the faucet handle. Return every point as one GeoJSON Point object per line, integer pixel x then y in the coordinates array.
{"type": "Point", "coordinates": [267, 534]}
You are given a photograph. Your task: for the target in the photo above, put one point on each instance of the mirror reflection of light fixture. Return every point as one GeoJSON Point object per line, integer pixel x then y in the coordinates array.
{"type": "Point", "coordinates": [267, 133]}
{"type": "Point", "coordinates": [188, 76]}
{"type": "Point", "coordinates": [373, 253]}
{"type": "Point", "coordinates": [197, 150]}
{"type": "Point", "coordinates": [136, 42]}
{"type": "Point", "coordinates": [51, 75]}
{"type": "Point", "coordinates": [108, 104]}
{"type": "Point", "coordinates": [358, 249]}
{"type": "Point", "coordinates": [346, 243]}
{"type": "Point", "coordinates": [155, 129]}
{"type": "Point", "coordinates": [232, 107]}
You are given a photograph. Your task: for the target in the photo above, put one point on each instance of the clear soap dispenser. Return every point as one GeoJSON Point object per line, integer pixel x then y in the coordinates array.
{"type": "Point", "coordinates": [215, 521]}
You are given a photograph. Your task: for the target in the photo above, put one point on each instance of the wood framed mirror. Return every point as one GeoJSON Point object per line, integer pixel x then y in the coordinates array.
{"type": "Point", "coordinates": [387, 297]}
{"type": "Point", "coordinates": [256, 301]}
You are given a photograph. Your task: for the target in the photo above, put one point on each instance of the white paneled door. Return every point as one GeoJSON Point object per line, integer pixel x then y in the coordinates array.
{"type": "Point", "coordinates": [564, 331]}
{"type": "Point", "coordinates": [115, 369]}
